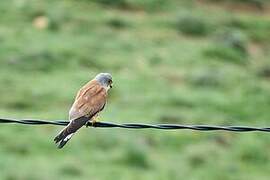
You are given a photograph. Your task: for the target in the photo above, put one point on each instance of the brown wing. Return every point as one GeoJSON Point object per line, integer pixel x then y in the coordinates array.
{"type": "Point", "coordinates": [90, 100]}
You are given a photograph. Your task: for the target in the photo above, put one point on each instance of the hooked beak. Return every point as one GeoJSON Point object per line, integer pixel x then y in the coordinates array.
{"type": "Point", "coordinates": [110, 85]}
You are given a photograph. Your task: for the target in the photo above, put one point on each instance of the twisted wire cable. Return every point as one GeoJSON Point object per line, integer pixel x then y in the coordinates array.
{"type": "Point", "coordinates": [141, 126]}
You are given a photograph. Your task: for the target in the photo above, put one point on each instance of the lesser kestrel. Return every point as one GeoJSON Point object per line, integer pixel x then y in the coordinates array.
{"type": "Point", "coordinates": [90, 100]}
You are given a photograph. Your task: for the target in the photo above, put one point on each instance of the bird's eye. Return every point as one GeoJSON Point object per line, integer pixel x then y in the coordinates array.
{"type": "Point", "coordinates": [110, 81]}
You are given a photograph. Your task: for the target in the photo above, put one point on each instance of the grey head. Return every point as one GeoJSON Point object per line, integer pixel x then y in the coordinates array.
{"type": "Point", "coordinates": [105, 79]}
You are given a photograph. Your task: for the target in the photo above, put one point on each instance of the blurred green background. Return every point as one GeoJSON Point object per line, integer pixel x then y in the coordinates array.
{"type": "Point", "coordinates": [187, 62]}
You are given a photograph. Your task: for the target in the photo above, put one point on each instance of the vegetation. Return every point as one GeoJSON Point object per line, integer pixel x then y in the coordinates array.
{"type": "Point", "coordinates": [172, 62]}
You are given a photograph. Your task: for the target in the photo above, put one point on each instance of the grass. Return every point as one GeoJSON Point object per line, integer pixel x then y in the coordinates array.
{"type": "Point", "coordinates": [161, 75]}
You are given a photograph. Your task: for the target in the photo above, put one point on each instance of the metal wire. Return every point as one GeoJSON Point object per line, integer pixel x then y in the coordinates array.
{"type": "Point", "coordinates": [141, 126]}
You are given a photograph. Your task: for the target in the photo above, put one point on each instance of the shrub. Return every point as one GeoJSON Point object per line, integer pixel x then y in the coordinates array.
{"type": "Point", "coordinates": [36, 61]}
{"type": "Point", "coordinates": [117, 23]}
{"type": "Point", "coordinates": [114, 3]}
{"type": "Point", "coordinates": [257, 3]}
{"type": "Point", "coordinates": [233, 39]}
{"type": "Point", "coordinates": [256, 29]}
{"type": "Point", "coordinates": [135, 4]}
{"type": "Point", "coordinates": [264, 72]}
{"type": "Point", "coordinates": [192, 25]}
{"type": "Point", "coordinates": [225, 53]}
{"type": "Point", "coordinates": [206, 78]}
{"type": "Point", "coordinates": [136, 156]}
{"type": "Point", "coordinates": [229, 45]}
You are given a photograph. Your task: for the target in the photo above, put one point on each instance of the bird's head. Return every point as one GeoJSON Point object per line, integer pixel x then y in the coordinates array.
{"type": "Point", "coordinates": [105, 79]}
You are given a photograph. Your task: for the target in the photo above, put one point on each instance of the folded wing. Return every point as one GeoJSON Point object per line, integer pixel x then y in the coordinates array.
{"type": "Point", "coordinates": [89, 101]}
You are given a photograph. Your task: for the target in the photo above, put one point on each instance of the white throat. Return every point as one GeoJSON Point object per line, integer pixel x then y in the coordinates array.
{"type": "Point", "coordinates": [107, 88]}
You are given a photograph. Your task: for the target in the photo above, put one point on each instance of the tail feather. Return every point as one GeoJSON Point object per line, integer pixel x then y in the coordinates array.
{"type": "Point", "coordinates": [62, 138]}
{"type": "Point", "coordinates": [59, 137]}
{"type": "Point", "coordinates": [64, 141]}
{"type": "Point", "coordinates": [65, 135]}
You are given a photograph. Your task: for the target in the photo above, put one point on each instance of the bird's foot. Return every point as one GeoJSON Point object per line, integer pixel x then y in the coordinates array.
{"type": "Point", "coordinates": [94, 120]}
{"type": "Point", "coordinates": [87, 124]}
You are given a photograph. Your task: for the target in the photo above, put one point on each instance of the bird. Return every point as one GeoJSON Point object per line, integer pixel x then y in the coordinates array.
{"type": "Point", "coordinates": [89, 102]}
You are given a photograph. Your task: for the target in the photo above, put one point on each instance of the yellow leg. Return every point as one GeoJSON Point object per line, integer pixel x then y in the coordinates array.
{"type": "Point", "coordinates": [95, 119]}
